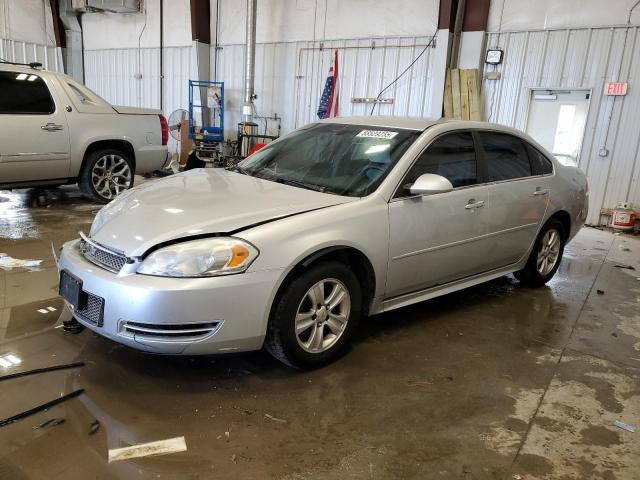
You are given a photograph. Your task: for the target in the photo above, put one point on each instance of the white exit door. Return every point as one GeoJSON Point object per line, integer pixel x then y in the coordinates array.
{"type": "Point", "coordinates": [557, 120]}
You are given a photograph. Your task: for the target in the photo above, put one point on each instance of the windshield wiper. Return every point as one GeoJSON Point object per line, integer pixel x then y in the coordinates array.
{"type": "Point", "coordinates": [296, 183]}
{"type": "Point", "coordinates": [238, 169]}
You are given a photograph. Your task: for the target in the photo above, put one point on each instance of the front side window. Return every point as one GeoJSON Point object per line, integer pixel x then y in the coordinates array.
{"type": "Point", "coordinates": [451, 156]}
{"type": "Point", "coordinates": [505, 156]}
{"type": "Point", "coordinates": [349, 160]}
{"type": "Point", "coordinates": [24, 93]}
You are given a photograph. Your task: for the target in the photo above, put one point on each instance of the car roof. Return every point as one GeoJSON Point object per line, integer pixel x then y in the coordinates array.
{"type": "Point", "coordinates": [413, 123]}
{"type": "Point", "coordinates": [410, 123]}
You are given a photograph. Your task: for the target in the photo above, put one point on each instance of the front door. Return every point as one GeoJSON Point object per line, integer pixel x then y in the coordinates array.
{"type": "Point", "coordinates": [34, 138]}
{"type": "Point", "coordinates": [435, 239]}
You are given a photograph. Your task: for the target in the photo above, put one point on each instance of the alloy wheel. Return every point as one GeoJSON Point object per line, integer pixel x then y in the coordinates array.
{"type": "Point", "coordinates": [110, 175]}
{"type": "Point", "coordinates": [322, 315]}
{"type": "Point", "coordinates": [549, 252]}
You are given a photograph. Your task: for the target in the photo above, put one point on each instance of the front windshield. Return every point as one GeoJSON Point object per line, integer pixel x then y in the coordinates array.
{"type": "Point", "coordinates": [349, 160]}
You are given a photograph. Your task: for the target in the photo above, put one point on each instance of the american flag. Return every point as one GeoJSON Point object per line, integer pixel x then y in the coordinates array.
{"type": "Point", "coordinates": [329, 101]}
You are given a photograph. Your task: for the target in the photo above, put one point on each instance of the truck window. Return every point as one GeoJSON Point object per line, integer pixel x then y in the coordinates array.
{"type": "Point", "coordinates": [24, 94]}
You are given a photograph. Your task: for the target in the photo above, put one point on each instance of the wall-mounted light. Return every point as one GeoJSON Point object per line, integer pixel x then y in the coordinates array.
{"type": "Point", "coordinates": [494, 56]}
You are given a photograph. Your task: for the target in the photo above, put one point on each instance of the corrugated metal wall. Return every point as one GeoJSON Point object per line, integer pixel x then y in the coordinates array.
{"type": "Point", "coordinates": [583, 58]}
{"type": "Point", "coordinates": [25, 52]}
{"type": "Point", "coordinates": [112, 75]}
{"type": "Point", "coordinates": [290, 78]}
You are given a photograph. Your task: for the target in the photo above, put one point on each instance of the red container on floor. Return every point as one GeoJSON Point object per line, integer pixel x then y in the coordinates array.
{"type": "Point", "coordinates": [623, 217]}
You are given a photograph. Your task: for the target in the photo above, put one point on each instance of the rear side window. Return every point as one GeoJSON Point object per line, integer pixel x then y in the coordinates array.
{"type": "Point", "coordinates": [24, 93]}
{"type": "Point", "coordinates": [541, 164]}
{"type": "Point", "coordinates": [451, 156]}
{"type": "Point", "coordinates": [505, 155]}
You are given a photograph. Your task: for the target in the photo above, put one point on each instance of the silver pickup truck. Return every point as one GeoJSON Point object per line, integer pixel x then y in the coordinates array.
{"type": "Point", "coordinates": [55, 131]}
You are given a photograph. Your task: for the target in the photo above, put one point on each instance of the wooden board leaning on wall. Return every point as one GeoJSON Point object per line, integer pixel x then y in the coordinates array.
{"type": "Point", "coordinates": [462, 94]}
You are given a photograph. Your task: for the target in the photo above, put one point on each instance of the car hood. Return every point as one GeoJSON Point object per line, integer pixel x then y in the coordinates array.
{"type": "Point", "coordinates": [196, 203]}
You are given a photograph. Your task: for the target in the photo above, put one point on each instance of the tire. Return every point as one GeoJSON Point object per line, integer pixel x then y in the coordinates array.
{"type": "Point", "coordinates": [293, 306]}
{"type": "Point", "coordinates": [535, 274]}
{"type": "Point", "coordinates": [117, 170]}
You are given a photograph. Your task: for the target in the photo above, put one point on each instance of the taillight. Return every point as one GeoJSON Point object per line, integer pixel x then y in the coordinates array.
{"type": "Point", "coordinates": [164, 128]}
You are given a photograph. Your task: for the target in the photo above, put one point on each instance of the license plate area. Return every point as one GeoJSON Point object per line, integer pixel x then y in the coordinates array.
{"type": "Point", "coordinates": [71, 290]}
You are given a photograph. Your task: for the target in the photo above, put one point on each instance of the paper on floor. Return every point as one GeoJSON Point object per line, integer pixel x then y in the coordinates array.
{"type": "Point", "coordinates": [161, 447]}
{"type": "Point", "coordinates": [7, 262]}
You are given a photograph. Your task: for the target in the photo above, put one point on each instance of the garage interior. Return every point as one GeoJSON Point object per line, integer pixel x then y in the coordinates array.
{"type": "Point", "coordinates": [498, 381]}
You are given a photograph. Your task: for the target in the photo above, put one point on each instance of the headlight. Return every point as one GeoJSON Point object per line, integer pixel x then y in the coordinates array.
{"type": "Point", "coordinates": [200, 258]}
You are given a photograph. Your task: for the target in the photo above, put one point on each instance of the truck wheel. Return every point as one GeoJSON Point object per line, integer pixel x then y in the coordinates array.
{"type": "Point", "coordinates": [545, 256]}
{"type": "Point", "coordinates": [106, 173]}
{"type": "Point", "coordinates": [314, 316]}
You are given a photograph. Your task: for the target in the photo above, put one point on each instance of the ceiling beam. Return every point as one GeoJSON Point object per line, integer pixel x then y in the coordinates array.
{"type": "Point", "coordinates": [200, 21]}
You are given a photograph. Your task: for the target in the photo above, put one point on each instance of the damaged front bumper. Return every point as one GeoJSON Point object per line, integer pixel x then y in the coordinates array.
{"type": "Point", "coordinates": [187, 316]}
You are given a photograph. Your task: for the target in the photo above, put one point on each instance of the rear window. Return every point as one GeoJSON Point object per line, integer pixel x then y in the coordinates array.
{"type": "Point", "coordinates": [24, 93]}
{"type": "Point", "coordinates": [540, 163]}
{"type": "Point", "coordinates": [505, 155]}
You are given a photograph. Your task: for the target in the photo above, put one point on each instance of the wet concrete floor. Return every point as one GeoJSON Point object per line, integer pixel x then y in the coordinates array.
{"type": "Point", "coordinates": [495, 382]}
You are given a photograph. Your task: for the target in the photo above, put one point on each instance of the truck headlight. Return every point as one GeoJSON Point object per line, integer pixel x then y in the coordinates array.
{"type": "Point", "coordinates": [208, 257]}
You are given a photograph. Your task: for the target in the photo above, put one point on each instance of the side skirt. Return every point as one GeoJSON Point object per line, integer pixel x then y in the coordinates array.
{"type": "Point", "coordinates": [432, 292]}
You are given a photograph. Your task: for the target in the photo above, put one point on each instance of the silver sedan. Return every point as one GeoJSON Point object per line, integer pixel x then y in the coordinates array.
{"type": "Point", "coordinates": [337, 221]}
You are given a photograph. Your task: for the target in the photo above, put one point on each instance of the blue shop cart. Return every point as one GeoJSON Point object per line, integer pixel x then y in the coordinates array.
{"type": "Point", "coordinates": [206, 115]}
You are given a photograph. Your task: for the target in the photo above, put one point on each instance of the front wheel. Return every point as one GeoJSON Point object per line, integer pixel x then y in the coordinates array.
{"type": "Point", "coordinates": [545, 256]}
{"type": "Point", "coordinates": [106, 174]}
{"type": "Point", "coordinates": [314, 316]}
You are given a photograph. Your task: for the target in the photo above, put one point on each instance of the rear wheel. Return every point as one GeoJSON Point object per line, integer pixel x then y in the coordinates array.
{"type": "Point", "coordinates": [314, 316]}
{"type": "Point", "coordinates": [106, 174]}
{"type": "Point", "coordinates": [545, 256]}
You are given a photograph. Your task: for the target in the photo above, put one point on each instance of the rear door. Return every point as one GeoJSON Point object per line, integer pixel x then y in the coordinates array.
{"type": "Point", "coordinates": [519, 191]}
{"type": "Point", "coordinates": [34, 138]}
{"type": "Point", "coordinates": [435, 239]}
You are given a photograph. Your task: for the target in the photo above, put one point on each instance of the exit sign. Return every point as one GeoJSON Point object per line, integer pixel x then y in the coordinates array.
{"type": "Point", "coordinates": [616, 88]}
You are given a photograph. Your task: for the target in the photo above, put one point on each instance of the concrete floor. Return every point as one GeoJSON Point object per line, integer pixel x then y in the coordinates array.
{"type": "Point", "coordinates": [496, 382]}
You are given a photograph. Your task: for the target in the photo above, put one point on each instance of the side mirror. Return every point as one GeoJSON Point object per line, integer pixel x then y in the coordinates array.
{"type": "Point", "coordinates": [429, 184]}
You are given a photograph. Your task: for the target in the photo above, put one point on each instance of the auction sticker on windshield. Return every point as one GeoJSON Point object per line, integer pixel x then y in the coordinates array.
{"type": "Point", "coordinates": [377, 134]}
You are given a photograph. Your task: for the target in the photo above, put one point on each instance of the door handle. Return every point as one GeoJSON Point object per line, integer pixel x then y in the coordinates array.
{"type": "Point", "coordinates": [473, 204]}
{"type": "Point", "coordinates": [52, 127]}
{"type": "Point", "coordinates": [541, 191]}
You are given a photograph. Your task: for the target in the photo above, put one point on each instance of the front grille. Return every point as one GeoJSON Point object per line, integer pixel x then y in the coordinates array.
{"type": "Point", "coordinates": [102, 257]}
{"type": "Point", "coordinates": [169, 331]}
{"type": "Point", "coordinates": [94, 311]}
